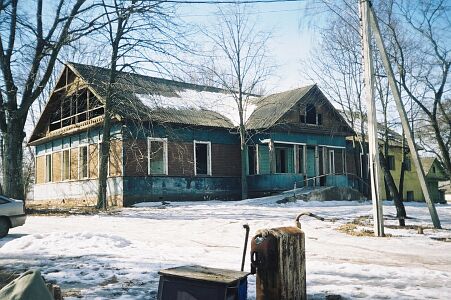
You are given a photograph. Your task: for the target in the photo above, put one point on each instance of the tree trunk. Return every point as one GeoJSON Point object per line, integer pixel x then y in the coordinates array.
{"type": "Point", "coordinates": [12, 159]}
{"type": "Point", "coordinates": [243, 162]}
{"type": "Point", "coordinates": [400, 210]}
{"type": "Point", "coordinates": [443, 149]}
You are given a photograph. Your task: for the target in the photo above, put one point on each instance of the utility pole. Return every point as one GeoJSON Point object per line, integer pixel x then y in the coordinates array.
{"type": "Point", "coordinates": [374, 162]}
{"type": "Point", "coordinates": [402, 114]}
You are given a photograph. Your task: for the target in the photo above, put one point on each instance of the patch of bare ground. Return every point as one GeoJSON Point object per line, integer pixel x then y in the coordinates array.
{"type": "Point", "coordinates": [50, 210]}
{"type": "Point", "coordinates": [356, 227]}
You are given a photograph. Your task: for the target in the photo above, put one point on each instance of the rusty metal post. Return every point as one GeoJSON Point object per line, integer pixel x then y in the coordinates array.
{"type": "Point", "coordinates": [278, 259]}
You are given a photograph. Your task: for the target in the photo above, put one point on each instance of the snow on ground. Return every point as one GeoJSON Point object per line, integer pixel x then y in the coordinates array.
{"type": "Point", "coordinates": [117, 256]}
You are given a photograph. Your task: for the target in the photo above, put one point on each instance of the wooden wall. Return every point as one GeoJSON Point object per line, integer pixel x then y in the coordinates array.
{"type": "Point", "coordinates": [225, 158]}
{"type": "Point", "coordinates": [115, 163]}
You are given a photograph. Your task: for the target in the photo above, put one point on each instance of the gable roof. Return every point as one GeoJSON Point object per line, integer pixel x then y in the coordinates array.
{"type": "Point", "coordinates": [427, 163]}
{"type": "Point", "coordinates": [270, 109]}
{"type": "Point", "coordinates": [130, 89]}
{"type": "Point", "coordinates": [141, 97]}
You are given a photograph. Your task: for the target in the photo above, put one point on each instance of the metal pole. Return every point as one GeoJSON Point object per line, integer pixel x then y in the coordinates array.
{"type": "Point", "coordinates": [245, 226]}
{"type": "Point", "coordinates": [403, 116]}
{"type": "Point", "coordinates": [374, 162]}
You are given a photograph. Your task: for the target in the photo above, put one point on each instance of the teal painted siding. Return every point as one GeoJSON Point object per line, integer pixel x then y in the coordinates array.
{"type": "Point", "coordinates": [309, 139]}
{"type": "Point", "coordinates": [183, 133]}
{"type": "Point", "coordinates": [92, 137]}
{"type": "Point", "coordinates": [263, 159]}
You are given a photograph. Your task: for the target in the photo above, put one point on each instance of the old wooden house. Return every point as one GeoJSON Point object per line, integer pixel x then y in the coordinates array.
{"type": "Point", "coordinates": [177, 141]}
{"type": "Point", "coordinates": [297, 138]}
{"type": "Point", "coordinates": [169, 152]}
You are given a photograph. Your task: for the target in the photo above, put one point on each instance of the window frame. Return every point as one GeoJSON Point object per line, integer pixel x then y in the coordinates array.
{"type": "Point", "coordinates": [48, 177]}
{"type": "Point", "coordinates": [209, 169]}
{"type": "Point", "coordinates": [331, 152]}
{"type": "Point", "coordinates": [87, 161]}
{"type": "Point", "coordinates": [165, 154]}
{"type": "Point", "coordinates": [63, 165]}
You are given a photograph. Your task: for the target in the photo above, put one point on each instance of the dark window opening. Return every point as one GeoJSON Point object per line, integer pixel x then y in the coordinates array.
{"type": "Point", "coordinates": [301, 160]}
{"type": "Point", "coordinates": [391, 162]}
{"type": "Point", "coordinates": [252, 159]}
{"type": "Point", "coordinates": [320, 119]}
{"type": "Point", "coordinates": [201, 159]}
{"type": "Point", "coordinates": [410, 196]}
{"type": "Point", "coordinates": [407, 164]}
{"type": "Point", "coordinates": [281, 160]}
{"type": "Point", "coordinates": [302, 119]}
{"type": "Point", "coordinates": [433, 169]}
{"type": "Point", "coordinates": [310, 114]}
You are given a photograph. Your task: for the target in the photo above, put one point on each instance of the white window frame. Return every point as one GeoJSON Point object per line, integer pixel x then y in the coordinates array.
{"type": "Point", "coordinates": [208, 143]}
{"type": "Point", "coordinates": [331, 161]}
{"type": "Point", "coordinates": [49, 177]}
{"type": "Point", "coordinates": [87, 161]}
{"type": "Point", "coordinates": [165, 154]}
{"type": "Point", "coordinates": [62, 164]}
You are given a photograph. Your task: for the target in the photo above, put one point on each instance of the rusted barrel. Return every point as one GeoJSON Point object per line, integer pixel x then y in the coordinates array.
{"type": "Point", "coordinates": [278, 259]}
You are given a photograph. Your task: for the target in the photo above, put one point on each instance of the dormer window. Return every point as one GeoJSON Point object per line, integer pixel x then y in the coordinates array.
{"type": "Point", "coordinates": [309, 116]}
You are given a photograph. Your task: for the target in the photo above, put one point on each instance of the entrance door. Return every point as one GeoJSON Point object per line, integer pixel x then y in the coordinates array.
{"type": "Point", "coordinates": [311, 164]}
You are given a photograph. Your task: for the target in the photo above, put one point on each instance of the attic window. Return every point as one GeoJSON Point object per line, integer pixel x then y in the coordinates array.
{"type": "Point", "coordinates": [309, 116]}
{"type": "Point", "coordinates": [433, 169]}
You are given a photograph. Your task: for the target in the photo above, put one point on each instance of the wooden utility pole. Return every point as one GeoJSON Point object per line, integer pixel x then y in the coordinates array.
{"type": "Point", "coordinates": [374, 163]}
{"type": "Point", "coordinates": [402, 114]}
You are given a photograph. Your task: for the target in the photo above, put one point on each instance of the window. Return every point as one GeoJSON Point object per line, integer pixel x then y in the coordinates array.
{"type": "Point", "coordinates": [331, 161]}
{"type": "Point", "coordinates": [433, 169]}
{"type": "Point", "coordinates": [282, 160]}
{"type": "Point", "coordinates": [66, 164]}
{"type": "Point", "coordinates": [158, 156]}
{"type": "Point", "coordinates": [407, 164]}
{"type": "Point", "coordinates": [48, 168]}
{"type": "Point", "coordinates": [252, 159]}
{"type": "Point", "coordinates": [83, 162]}
{"type": "Point", "coordinates": [310, 112]}
{"type": "Point", "coordinates": [309, 116]}
{"type": "Point", "coordinates": [3, 200]}
{"type": "Point", "coordinates": [410, 196]}
{"type": "Point", "coordinates": [202, 158]}
{"type": "Point", "coordinates": [391, 162]}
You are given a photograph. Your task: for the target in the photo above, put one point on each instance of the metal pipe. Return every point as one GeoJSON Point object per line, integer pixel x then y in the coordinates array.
{"type": "Point", "coordinates": [298, 224]}
{"type": "Point", "coordinates": [243, 260]}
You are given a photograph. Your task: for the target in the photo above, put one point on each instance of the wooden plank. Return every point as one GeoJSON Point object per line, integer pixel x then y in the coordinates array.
{"type": "Point", "coordinates": [201, 273]}
{"type": "Point", "coordinates": [403, 115]}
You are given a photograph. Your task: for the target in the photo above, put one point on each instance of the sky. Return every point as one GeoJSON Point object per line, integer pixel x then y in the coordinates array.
{"type": "Point", "coordinates": [292, 38]}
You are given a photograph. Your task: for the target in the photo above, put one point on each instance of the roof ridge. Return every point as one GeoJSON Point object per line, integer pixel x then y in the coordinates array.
{"type": "Point", "coordinates": [157, 79]}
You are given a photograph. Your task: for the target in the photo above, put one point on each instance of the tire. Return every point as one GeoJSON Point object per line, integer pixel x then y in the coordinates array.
{"type": "Point", "coordinates": [4, 227]}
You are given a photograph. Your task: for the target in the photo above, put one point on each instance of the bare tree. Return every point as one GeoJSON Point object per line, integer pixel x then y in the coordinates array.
{"type": "Point", "coordinates": [239, 64]}
{"type": "Point", "coordinates": [138, 32]}
{"type": "Point", "coordinates": [421, 51]}
{"type": "Point", "coordinates": [29, 48]}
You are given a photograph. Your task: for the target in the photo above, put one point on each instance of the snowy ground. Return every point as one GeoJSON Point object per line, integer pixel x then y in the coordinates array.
{"type": "Point", "coordinates": [117, 256]}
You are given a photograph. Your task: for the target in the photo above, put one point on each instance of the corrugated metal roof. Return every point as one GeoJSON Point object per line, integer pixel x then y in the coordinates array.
{"type": "Point", "coordinates": [126, 104]}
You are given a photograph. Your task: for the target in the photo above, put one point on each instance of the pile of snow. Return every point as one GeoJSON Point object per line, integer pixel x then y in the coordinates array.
{"type": "Point", "coordinates": [118, 256]}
